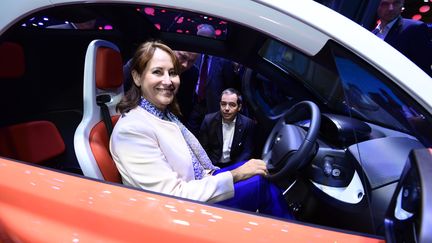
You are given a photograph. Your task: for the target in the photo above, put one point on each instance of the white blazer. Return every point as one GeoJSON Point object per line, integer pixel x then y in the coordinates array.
{"type": "Point", "coordinates": [152, 154]}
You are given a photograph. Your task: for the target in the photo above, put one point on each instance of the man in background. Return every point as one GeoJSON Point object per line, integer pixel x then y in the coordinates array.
{"type": "Point", "coordinates": [188, 80]}
{"type": "Point", "coordinates": [215, 75]}
{"type": "Point", "coordinates": [410, 37]}
{"type": "Point", "coordinates": [226, 135]}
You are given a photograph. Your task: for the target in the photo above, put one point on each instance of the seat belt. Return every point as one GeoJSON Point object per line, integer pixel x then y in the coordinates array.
{"type": "Point", "coordinates": [101, 101]}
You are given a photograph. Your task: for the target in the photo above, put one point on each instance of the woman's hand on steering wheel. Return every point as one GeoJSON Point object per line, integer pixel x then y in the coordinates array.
{"type": "Point", "coordinates": [250, 168]}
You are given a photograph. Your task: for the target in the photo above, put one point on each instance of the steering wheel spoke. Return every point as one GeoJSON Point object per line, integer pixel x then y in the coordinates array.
{"type": "Point", "coordinates": [289, 146]}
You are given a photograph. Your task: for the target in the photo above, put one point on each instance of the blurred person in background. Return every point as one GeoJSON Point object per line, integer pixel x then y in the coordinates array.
{"type": "Point", "coordinates": [215, 75]}
{"type": "Point", "coordinates": [410, 37]}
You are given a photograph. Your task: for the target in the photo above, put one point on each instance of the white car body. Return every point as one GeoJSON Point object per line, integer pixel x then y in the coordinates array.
{"type": "Point", "coordinates": [292, 22]}
{"type": "Point", "coordinates": [280, 19]}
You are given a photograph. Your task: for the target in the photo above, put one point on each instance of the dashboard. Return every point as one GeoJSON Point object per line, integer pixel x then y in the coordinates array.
{"type": "Point", "coordinates": [358, 163]}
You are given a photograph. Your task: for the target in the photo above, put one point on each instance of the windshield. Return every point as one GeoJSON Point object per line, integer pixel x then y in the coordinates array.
{"type": "Point", "coordinates": [349, 86]}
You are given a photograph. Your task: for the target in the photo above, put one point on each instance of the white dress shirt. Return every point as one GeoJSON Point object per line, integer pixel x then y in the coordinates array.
{"type": "Point", "coordinates": [228, 129]}
{"type": "Point", "coordinates": [383, 31]}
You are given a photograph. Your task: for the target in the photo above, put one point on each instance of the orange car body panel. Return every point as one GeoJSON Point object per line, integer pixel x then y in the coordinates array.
{"type": "Point", "coordinates": [40, 205]}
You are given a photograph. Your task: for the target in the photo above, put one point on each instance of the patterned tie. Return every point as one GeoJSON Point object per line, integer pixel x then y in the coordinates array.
{"type": "Point", "coordinates": [203, 79]}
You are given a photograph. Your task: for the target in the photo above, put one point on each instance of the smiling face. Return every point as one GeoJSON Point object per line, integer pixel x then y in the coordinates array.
{"type": "Point", "coordinates": [229, 106]}
{"type": "Point", "coordinates": [159, 81]}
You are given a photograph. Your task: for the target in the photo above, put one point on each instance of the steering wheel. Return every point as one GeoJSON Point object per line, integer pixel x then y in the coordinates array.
{"type": "Point", "coordinates": [289, 147]}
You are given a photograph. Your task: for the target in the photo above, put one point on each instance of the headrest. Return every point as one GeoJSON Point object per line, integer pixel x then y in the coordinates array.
{"type": "Point", "coordinates": [109, 69]}
{"type": "Point", "coordinates": [12, 64]}
{"type": "Point", "coordinates": [36, 141]}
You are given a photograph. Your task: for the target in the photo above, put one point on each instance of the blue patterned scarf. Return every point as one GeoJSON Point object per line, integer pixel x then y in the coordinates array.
{"type": "Point", "coordinates": [200, 159]}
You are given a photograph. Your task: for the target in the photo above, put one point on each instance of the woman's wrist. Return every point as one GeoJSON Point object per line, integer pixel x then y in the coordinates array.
{"type": "Point", "coordinates": [236, 175]}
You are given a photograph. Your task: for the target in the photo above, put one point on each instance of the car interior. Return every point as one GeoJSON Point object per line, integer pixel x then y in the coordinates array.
{"type": "Point", "coordinates": [402, 224]}
{"type": "Point", "coordinates": [103, 89]}
{"type": "Point", "coordinates": [335, 132]}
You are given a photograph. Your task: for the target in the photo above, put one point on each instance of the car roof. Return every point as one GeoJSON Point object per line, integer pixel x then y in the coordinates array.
{"type": "Point", "coordinates": [278, 20]}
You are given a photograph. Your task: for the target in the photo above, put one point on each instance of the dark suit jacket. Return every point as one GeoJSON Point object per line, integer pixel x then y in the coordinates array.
{"type": "Point", "coordinates": [188, 81]}
{"type": "Point", "coordinates": [212, 141]}
{"type": "Point", "coordinates": [221, 76]}
{"type": "Point", "coordinates": [412, 38]}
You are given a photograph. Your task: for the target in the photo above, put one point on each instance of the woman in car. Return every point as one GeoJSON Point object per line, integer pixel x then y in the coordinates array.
{"type": "Point", "coordinates": [153, 150]}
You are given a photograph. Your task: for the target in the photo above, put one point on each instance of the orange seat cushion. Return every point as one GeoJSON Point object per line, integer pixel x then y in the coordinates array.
{"type": "Point", "coordinates": [36, 141]}
{"type": "Point", "coordinates": [99, 143]}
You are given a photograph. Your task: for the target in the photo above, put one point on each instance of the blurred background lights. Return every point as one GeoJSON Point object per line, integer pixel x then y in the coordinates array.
{"type": "Point", "coordinates": [149, 11]}
{"type": "Point", "coordinates": [417, 17]}
{"type": "Point", "coordinates": [180, 20]}
{"type": "Point", "coordinates": [424, 9]}
{"type": "Point", "coordinates": [418, 10]}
